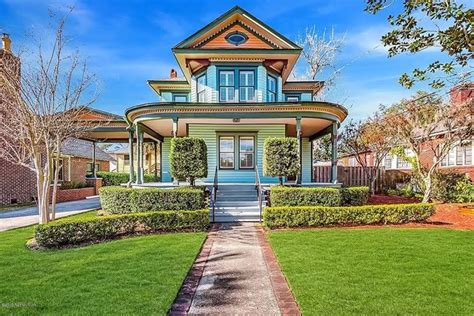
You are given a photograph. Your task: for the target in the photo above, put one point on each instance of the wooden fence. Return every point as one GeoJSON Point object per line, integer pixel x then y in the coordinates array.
{"type": "Point", "coordinates": [349, 176]}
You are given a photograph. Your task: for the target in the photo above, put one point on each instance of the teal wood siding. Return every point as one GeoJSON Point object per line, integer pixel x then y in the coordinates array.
{"type": "Point", "coordinates": [165, 159]}
{"type": "Point", "coordinates": [279, 89]}
{"type": "Point", "coordinates": [306, 160]}
{"type": "Point", "coordinates": [209, 133]}
{"type": "Point", "coordinates": [261, 93]}
{"type": "Point", "coordinates": [306, 96]}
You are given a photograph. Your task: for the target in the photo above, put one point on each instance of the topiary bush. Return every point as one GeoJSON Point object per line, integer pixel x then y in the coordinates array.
{"type": "Point", "coordinates": [120, 200]}
{"type": "Point", "coordinates": [355, 196]}
{"type": "Point", "coordinates": [188, 158]}
{"type": "Point", "coordinates": [60, 234]}
{"type": "Point", "coordinates": [313, 216]}
{"type": "Point", "coordinates": [281, 157]}
{"type": "Point", "coordinates": [118, 178]}
{"type": "Point", "coordinates": [295, 196]}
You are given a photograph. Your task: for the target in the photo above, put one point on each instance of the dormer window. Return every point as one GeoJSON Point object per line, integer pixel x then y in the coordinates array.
{"type": "Point", "coordinates": [236, 38]}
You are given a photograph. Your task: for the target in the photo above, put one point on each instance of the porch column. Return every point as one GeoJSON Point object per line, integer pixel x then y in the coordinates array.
{"type": "Point", "coordinates": [175, 134]}
{"type": "Point", "coordinates": [131, 134]}
{"type": "Point", "coordinates": [155, 152]}
{"type": "Point", "coordinates": [298, 137]}
{"type": "Point", "coordinates": [139, 155]}
{"type": "Point", "coordinates": [334, 153]}
{"type": "Point", "coordinates": [94, 169]}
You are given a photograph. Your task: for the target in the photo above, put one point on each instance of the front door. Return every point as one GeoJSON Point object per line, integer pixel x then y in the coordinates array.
{"type": "Point", "coordinates": [236, 152]}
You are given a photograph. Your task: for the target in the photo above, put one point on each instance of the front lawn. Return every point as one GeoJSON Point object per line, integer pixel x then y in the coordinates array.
{"type": "Point", "coordinates": [137, 275]}
{"type": "Point", "coordinates": [379, 271]}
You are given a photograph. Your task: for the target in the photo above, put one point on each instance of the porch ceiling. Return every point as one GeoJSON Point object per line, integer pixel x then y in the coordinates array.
{"type": "Point", "coordinates": [309, 126]}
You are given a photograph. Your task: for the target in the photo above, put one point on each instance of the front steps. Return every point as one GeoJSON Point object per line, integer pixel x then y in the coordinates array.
{"type": "Point", "coordinates": [236, 203]}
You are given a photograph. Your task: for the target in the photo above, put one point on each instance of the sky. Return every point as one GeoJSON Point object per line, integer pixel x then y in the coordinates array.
{"type": "Point", "coordinates": [128, 42]}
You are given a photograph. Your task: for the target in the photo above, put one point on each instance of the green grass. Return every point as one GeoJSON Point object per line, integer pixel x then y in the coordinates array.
{"type": "Point", "coordinates": [137, 275]}
{"type": "Point", "coordinates": [379, 271]}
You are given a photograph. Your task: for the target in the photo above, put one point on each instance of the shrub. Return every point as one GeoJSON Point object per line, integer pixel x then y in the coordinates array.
{"type": "Point", "coordinates": [188, 158]}
{"type": "Point", "coordinates": [281, 157]}
{"type": "Point", "coordinates": [296, 196]}
{"type": "Point", "coordinates": [311, 216]}
{"type": "Point", "coordinates": [452, 187]}
{"type": "Point", "coordinates": [118, 178]}
{"type": "Point", "coordinates": [59, 234]}
{"type": "Point", "coordinates": [120, 200]}
{"type": "Point", "coordinates": [354, 196]}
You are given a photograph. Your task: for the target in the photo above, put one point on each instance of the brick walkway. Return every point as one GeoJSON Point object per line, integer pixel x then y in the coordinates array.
{"type": "Point", "coordinates": [236, 273]}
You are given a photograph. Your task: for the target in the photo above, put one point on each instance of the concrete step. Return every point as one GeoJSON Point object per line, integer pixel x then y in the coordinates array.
{"type": "Point", "coordinates": [237, 199]}
{"type": "Point", "coordinates": [236, 193]}
{"type": "Point", "coordinates": [237, 210]}
{"type": "Point", "coordinates": [237, 203]}
{"type": "Point", "coordinates": [236, 187]}
{"type": "Point", "coordinates": [230, 219]}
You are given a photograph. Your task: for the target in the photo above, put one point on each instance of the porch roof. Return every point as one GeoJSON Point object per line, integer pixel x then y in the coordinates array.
{"type": "Point", "coordinates": [315, 117]}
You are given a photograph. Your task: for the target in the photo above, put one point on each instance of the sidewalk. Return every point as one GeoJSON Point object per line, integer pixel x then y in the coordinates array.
{"type": "Point", "coordinates": [29, 215]}
{"type": "Point", "coordinates": [233, 277]}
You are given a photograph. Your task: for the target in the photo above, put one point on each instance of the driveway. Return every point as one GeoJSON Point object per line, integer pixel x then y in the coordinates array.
{"type": "Point", "coordinates": [29, 215]}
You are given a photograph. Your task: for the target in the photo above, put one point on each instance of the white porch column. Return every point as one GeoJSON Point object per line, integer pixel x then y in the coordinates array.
{"type": "Point", "coordinates": [155, 153]}
{"type": "Point", "coordinates": [94, 169]}
{"type": "Point", "coordinates": [175, 134]}
{"type": "Point", "coordinates": [334, 153]}
{"type": "Point", "coordinates": [139, 155]}
{"type": "Point", "coordinates": [131, 136]}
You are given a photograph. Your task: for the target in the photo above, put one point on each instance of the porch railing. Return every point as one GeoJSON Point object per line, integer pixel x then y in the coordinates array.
{"type": "Point", "coordinates": [214, 194]}
{"type": "Point", "coordinates": [259, 192]}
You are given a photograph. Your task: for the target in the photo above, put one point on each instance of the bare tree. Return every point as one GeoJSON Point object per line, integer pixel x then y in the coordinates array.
{"type": "Point", "coordinates": [369, 144]}
{"type": "Point", "coordinates": [428, 126]}
{"type": "Point", "coordinates": [319, 53]}
{"type": "Point", "coordinates": [41, 109]}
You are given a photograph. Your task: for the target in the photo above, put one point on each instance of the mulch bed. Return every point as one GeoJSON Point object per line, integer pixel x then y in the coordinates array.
{"type": "Point", "coordinates": [391, 199]}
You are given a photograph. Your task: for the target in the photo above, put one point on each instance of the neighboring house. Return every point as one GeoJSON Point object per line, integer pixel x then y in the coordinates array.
{"type": "Point", "coordinates": [122, 159]}
{"type": "Point", "coordinates": [460, 158]}
{"type": "Point", "coordinates": [235, 93]}
{"type": "Point", "coordinates": [18, 183]}
{"type": "Point", "coordinates": [76, 160]}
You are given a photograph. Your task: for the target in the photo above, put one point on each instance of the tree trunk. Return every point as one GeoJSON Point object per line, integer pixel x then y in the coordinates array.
{"type": "Point", "coordinates": [372, 185]}
{"type": "Point", "coordinates": [56, 180]}
{"type": "Point", "coordinates": [42, 184]}
{"type": "Point", "coordinates": [428, 189]}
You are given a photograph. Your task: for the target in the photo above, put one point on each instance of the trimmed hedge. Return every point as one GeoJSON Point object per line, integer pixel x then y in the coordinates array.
{"type": "Point", "coordinates": [121, 200]}
{"type": "Point", "coordinates": [297, 196]}
{"type": "Point", "coordinates": [118, 178]}
{"type": "Point", "coordinates": [304, 196]}
{"type": "Point", "coordinates": [60, 234]}
{"type": "Point", "coordinates": [314, 216]}
{"type": "Point", "coordinates": [355, 196]}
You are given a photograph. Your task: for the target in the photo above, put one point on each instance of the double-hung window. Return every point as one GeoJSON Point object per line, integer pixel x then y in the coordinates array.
{"type": "Point", "coordinates": [246, 85]}
{"type": "Point", "coordinates": [201, 88]}
{"type": "Point", "coordinates": [461, 155]}
{"type": "Point", "coordinates": [226, 152]}
{"type": "Point", "coordinates": [226, 86]}
{"type": "Point", "coordinates": [271, 89]}
{"type": "Point", "coordinates": [246, 151]}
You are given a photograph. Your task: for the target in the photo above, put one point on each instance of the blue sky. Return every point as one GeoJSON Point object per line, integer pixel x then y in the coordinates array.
{"type": "Point", "coordinates": [129, 42]}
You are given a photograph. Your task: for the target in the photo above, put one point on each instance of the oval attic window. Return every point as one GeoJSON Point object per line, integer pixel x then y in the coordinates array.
{"type": "Point", "coordinates": [236, 38]}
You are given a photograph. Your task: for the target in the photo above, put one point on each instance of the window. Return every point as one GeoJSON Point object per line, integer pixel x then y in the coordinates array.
{"type": "Point", "coordinates": [180, 98]}
{"type": "Point", "coordinates": [201, 88]}
{"type": "Point", "coordinates": [402, 164]}
{"type": "Point", "coordinates": [247, 151]}
{"type": "Point", "coordinates": [226, 86]}
{"type": "Point", "coordinates": [388, 162]}
{"type": "Point", "coordinates": [461, 155]}
{"type": "Point", "coordinates": [126, 160]}
{"type": "Point", "coordinates": [292, 98]}
{"type": "Point", "coordinates": [247, 85]}
{"type": "Point", "coordinates": [236, 38]}
{"type": "Point", "coordinates": [226, 152]}
{"type": "Point", "coordinates": [271, 87]}
{"type": "Point", "coordinates": [61, 169]}
{"type": "Point", "coordinates": [89, 170]}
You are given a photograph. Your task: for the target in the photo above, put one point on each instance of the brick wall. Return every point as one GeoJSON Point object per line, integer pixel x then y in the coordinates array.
{"type": "Point", "coordinates": [17, 184]}
{"type": "Point", "coordinates": [79, 168]}
{"type": "Point", "coordinates": [74, 194]}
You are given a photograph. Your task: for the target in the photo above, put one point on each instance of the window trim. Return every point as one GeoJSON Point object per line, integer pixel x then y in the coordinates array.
{"type": "Point", "coordinates": [247, 152]}
{"type": "Point", "coordinates": [445, 162]}
{"type": "Point", "coordinates": [275, 93]}
{"type": "Point", "coordinates": [225, 86]}
{"type": "Point", "coordinates": [185, 95]}
{"type": "Point", "coordinates": [202, 75]}
{"type": "Point", "coordinates": [241, 86]}
{"type": "Point", "coordinates": [220, 152]}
